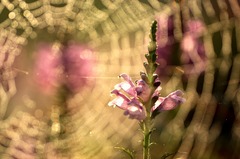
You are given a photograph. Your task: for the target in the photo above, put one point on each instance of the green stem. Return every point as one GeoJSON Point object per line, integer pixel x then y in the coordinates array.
{"type": "Point", "coordinates": [147, 137]}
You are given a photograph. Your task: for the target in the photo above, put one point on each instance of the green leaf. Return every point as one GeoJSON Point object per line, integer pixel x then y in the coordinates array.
{"type": "Point", "coordinates": [127, 151]}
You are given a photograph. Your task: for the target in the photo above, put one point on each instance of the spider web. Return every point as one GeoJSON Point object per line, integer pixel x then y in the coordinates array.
{"type": "Point", "coordinates": [204, 126]}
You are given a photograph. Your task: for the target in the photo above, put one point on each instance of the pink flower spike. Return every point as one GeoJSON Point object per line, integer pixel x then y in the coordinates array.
{"type": "Point", "coordinates": [131, 98]}
{"type": "Point", "coordinates": [170, 102]}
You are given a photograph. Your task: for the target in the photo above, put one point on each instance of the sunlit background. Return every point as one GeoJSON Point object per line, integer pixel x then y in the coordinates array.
{"type": "Point", "coordinates": [59, 60]}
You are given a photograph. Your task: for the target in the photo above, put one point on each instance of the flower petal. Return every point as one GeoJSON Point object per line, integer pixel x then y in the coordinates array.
{"type": "Point", "coordinates": [135, 112]}
{"type": "Point", "coordinates": [143, 90]}
{"type": "Point", "coordinates": [157, 92]}
{"type": "Point", "coordinates": [170, 102]}
{"type": "Point", "coordinates": [135, 102]}
{"type": "Point", "coordinates": [126, 87]}
{"type": "Point", "coordinates": [119, 102]}
{"type": "Point", "coordinates": [132, 107]}
{"type": "Point", "coordinates": [158, 103]}
{"type": "Point", "coordinates": [157, 81]}
{"type": "Point", "coordinates": [118, 93]}
{"type": "Point", "coordinates": [127, 79]}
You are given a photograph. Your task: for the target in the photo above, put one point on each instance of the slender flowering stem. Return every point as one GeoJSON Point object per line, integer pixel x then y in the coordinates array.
{"type": "Point", "coordinates": [150, 68]}
{"type": "Point", "coordinates": [147, 137]}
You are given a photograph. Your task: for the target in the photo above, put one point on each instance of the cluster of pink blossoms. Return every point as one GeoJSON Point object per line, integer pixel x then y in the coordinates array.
{"type": "Point", "coordinates": [131, 98]}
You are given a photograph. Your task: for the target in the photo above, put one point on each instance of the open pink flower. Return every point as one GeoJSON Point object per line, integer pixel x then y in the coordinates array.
{"type": "Point", "coordinates": [170, 102]}
{"type": "Point", "coordinates": [131, 105]}
{"type": "Point", "coordinates": [131, 98]}
{"type": "Point", "coordinates": [127, 99]}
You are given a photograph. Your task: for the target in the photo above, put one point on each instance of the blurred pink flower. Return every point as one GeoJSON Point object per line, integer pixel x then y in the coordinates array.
{"type": "Point", "coordinates": [78, 61]}
{"type": "Point", "coordinates": [72, 66]}
{"type": "Point", "coordinates": [193, 52]}
{"type": "Point", "coordinates": [131, 98]}
{"type": "Point", "coordinates": [195, 28]}
{"type": "Point", "coordinates": [47, 70]}
{"type": "Point", "coordinates": [193, 57]}
{"type": "Point", "coordinates": [165, 43]}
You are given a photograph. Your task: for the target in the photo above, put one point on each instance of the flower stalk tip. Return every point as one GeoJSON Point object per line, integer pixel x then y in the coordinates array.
{"type": "Point", "coordinates": [152, 47]}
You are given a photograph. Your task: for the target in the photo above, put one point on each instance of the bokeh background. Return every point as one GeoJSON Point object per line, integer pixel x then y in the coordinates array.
{"type": "Point", "coordinates": [59, 60]}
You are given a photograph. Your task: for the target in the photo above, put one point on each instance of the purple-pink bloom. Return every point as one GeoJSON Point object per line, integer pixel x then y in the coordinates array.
{"type": "Point", "coordinates": [165, 43]}
{"type": "Point", "coordinates": [143, 90]}
{"type": "Point", "coordinates": [78, 62]}
{"type": "Point", "coordinates": [130, 105]}
{"type": "Point", "coordinates": [193, 56]}
{"type": "Point", "coordinates": [170, 102]}
{"type": "Point", "coordinates": [47, 69]}
{"type": "Point", "coordinates": [71, 66]}
{"type": "Point", "coordinates": [131, 98]}
{"type": "Point", "coordinates": [195, 27]}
